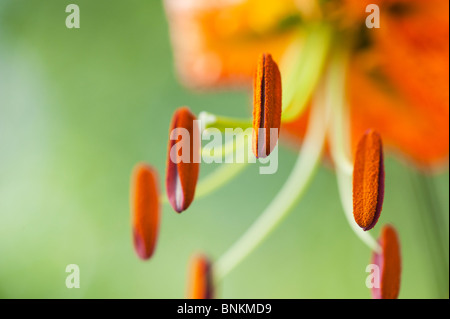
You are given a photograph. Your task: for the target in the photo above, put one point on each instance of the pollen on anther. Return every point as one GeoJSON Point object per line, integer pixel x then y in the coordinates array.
{"type": "Point", "coordinates": [368, 180]}
{"type": "Point", "coordinates": [266, 106]}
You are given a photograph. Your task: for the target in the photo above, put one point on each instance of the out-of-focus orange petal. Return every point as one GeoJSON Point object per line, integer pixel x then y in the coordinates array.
{"type": "Point", "coordinates": [200, 284]}
{"type": "Point", "coordinates": [399, 85]}
{"type": "Point", "coordinates": [420, 133]}
{"type": "Point", "coordinates": [145, 209]}
{"type": "Point", "coordinates": [390, 264]}
{"type": "Point", "coordinates": [216, 42]}
{"type": "Point", "coordinates": [182, 159]}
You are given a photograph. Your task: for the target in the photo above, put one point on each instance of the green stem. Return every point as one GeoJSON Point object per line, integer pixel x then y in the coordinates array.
{"type": "Point", "coordinates": [290, 193]}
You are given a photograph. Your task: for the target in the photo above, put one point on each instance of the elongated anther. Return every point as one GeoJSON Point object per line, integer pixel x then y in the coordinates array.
{"type": "Point", "coordinates": [368, 180]}
{"type": "Point", "coordinates": [145, 209]}
{"type": "Point", "coordinates": [200, 284]}
{"type": "Point", "coordinates": [389, 263]}
{"type": "Point", "coordinates": [266, 106]}
{"type": "Point", "coordinates": [183, 159]}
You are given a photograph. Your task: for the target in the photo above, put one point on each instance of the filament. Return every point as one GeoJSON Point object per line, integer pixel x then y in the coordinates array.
{"type": "Point", "coordinates": [300, 177]}
{"type": "Point", "coordinates": [339, 136]}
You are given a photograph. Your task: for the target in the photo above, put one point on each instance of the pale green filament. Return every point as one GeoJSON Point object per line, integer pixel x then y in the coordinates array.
{"type": "Point", "coordinates": [228, 149]}
{"type": "Point", "coordinates": [287, 197]}
{"type": "Point", "coordinates": [218, 178]}
{"type": "Point", "coordinates": [338, 137]}
{"type": "Point", "coordinates": [223, 122]}
{"type": "Point", "coordinates": [301, 79]}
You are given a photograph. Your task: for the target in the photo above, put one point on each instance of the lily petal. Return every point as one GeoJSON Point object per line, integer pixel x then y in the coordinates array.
{"type": "Point", "coordinates": [216, 42]}
{"type": "Point", "coordinates": [397, 84]}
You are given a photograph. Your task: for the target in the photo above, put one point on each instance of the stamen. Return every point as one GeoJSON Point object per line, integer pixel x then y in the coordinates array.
{"type": "Point", "coordinates": [145, 210]}
{"type": "Point", "coordinates": [291, 192]}
{"type": "Point", "coordinates": [266, 106]}
{"type": "Point", "coordinates": [338, 137]}
{"type": "Point", "coordinates": [368, 180]}
{"type": "Point", "coordinates": [182, 169]}
{"type": "Point", "coordinates": [389, 262]}
{"type": "Point", "coordinates": [200, 284]}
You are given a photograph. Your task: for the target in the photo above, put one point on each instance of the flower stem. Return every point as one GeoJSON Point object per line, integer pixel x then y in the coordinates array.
{"type": "Point", "coordinates": [290, 193]}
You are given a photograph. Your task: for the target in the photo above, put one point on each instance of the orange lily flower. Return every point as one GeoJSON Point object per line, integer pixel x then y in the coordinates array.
{"type": "Point", "coordinates": [394, 78]}
{"type": "Point", "coordinates": [397, 81]}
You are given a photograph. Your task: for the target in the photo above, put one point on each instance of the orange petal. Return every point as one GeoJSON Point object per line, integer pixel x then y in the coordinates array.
{"type": "Point", "coordinates": [145, 209]}
{"type": "Point", "coordinates": [216, 42]}
{"type": "Point", "coordinates": [266, 106]}
{"type": "Point", "coordinates": [183, 159]}
{"type": "Point", "coordinates": [399, 84]}
{"type": "Point", "coordinates": [368, 180]}
{"type": "Point", "coordinates": [389, 261]}
{"type": "Point", "coordinates": [200, 284]}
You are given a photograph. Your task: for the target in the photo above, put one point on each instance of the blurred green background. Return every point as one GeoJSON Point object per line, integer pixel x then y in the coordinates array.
{"type": "Point", "coordinates": [79, 107]}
